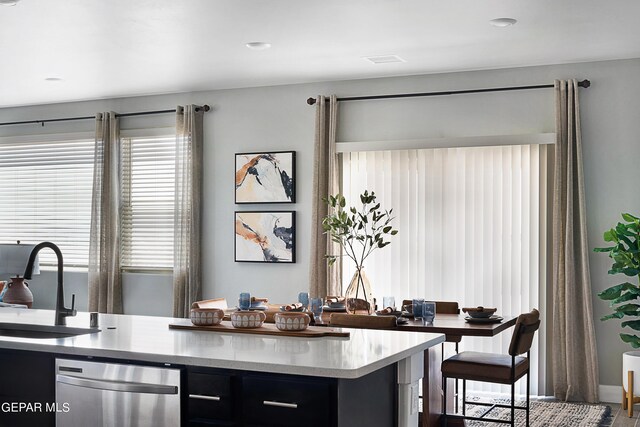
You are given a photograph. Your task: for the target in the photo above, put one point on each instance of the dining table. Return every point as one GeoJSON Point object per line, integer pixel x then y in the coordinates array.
{"type": "Point", "coordinates": [455, 327]}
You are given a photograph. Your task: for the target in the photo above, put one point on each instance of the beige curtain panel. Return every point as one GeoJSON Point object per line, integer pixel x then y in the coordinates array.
{"type": "Point", "coordinates": [574, 360]}
{"type": "Point", "coordinates": [187, 265]}
{"type": "Point", "coordinates": [105, 287]}
{"type": "Point", "coordinates": [324, 280]}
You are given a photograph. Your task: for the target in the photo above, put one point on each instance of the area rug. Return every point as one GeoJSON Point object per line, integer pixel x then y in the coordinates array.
{"type": "Point", "coordinates": [545, 413]}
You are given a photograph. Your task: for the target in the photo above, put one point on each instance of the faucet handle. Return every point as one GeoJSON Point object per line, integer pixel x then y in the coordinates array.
{"type": "Point", "coordinates": [73, 305]}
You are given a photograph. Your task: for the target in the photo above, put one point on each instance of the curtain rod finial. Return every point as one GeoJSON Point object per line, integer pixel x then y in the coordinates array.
{"type": "Point", "coordinates": [584, 83]}
{"type": "Point", "coordinates": [206, 108]}
{"type": "Point", "coordinates": [311, 101]}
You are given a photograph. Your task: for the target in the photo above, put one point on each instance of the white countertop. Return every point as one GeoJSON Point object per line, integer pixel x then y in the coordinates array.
{"type": "Point", "coordinates": [146, 338]}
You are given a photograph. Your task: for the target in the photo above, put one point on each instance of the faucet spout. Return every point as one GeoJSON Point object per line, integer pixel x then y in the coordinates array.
{"type": "Point", "coordinates": [62, 312]}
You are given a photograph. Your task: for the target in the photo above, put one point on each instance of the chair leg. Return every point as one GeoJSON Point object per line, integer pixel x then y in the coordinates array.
{"type": "Point", "coordinates": [513, 403]}
{"type": "Point", "coordinates": [464, 397]}
{"type": "Point", "coordinates": [444, 407]}
{"type": "Point", "coordinates": [528, 389]}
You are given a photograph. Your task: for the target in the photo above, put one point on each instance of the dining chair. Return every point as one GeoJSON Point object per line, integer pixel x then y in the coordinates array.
{"type": "Point", "coordinates": [362, 321]}
{"type": "Point", "coordinates": [495, 368]}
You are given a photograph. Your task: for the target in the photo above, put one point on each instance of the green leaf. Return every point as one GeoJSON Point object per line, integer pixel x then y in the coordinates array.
{"type": "Point", "coordinates": [631, 271]}
{"type": "Point", "coordinates": [615, 291]}
{"type": "Point", "coordinates": [629, 296]}
{"type": "Point", "coordinates": [610, 236]}
{"type": "Point", "coordinates": [604, 249]}
{"type": "Point", "coordinates": [612, 316]}
{"type": "Point", "coordinates": [631, 339]}
{"type": "Point", "coordinates": [628, 309]}
{"type": "Point", "coordinates": [633, 324]}
{"type": "Point", "coordinates": [387, 229]}
{"type": "Point", "coordinates": [394, 232]}
{"type": "Point", "coordinates": [629, 218]}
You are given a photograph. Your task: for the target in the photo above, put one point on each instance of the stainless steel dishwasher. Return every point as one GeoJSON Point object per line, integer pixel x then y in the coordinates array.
{"type": "Point", "coordinates": [116, 395]}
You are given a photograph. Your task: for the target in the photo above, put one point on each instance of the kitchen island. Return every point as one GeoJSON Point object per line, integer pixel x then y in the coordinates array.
{"type": "Point", "coordinates": [371, 375]}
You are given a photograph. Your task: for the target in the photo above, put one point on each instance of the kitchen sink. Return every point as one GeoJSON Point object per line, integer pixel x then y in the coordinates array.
{"type": "Point", "coordinates": [24, 330]}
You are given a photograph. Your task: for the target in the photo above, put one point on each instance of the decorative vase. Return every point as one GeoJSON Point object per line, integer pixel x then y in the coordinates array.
{"type": "Point", "coordinates": [18, 292]}
{"type": "Point", "coordinates": [358, 296]}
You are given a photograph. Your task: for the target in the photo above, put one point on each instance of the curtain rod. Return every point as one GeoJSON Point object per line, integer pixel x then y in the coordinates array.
{"type": "Point", "coordinates": [584, 83]}
{"type": "Point", "coordinates": [68, 119]}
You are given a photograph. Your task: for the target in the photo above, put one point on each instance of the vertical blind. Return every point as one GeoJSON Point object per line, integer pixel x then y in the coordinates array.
{"type": "Point", "coordinates": [148, 188]}
{"type": "Point", "coordinates": [472, 227]}
{"type": "Point", "coordinates": [45, 188]}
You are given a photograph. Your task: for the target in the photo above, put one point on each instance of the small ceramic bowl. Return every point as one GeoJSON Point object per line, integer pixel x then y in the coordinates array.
{"type": "Point", "coordinates": [206, 316]}
{"type": "Point", "coordinates": [479, 312]}
{"type": "Point", "coordinates": [292, 321]}
{"type": "Point", "coordinates": [247, 319]}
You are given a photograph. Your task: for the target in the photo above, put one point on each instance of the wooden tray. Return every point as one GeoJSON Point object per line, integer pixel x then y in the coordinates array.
{"type": "Point", "coordinates": [265, 329]}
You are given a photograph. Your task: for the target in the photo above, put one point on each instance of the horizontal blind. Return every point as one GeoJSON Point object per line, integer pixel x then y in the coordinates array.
{"type": "Point", "coordinates": [471, 225]}
{"type": "Point", "coordinates": [45, 188]}
{"type": "Point", "coordinates": [148, 188]}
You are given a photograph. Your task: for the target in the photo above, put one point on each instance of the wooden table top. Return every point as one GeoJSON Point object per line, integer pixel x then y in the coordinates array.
{"type": "Point", "coordinates": [455, 325]}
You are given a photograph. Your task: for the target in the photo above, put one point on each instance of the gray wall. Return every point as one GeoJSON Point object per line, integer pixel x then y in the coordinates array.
{"type": "Point", "coordinates": [277, 118]}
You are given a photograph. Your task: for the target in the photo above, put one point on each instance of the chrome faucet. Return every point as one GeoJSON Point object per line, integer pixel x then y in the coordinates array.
{"type": "Point", "coordinates": [61, 311]}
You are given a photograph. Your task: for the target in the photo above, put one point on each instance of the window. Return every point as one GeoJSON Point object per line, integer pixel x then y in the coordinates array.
{"type": "Point", "coordinates": [45, 188]}
{"type": "Point", "coordinates": [472, 229]}
{"type": "Point", "coordinates": [148, 188]}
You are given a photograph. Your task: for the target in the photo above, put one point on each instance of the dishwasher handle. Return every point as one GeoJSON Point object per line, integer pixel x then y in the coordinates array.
{"type": "Point", "coordinates": [123, 386]}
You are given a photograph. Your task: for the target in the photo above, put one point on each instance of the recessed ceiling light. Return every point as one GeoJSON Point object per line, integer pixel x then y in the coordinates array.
{"type": "Point", "coordinates": [258, 45]}
{"type": "Point", "coordinates": [502, 22]}
{"type": "Point", "coordinates": [384, 59]}
{"type": "Point", "coordinates": [53, 79]}
{"type": "Point", "coordinates": [8, 2]}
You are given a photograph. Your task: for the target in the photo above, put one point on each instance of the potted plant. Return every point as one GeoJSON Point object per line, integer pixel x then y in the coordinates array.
{"type": "Point", "coordinates": [359, 231]}
{"type": "Point", "coordinates": [623, 298]}
{"type": "Point", "coordinates": [625, 252]}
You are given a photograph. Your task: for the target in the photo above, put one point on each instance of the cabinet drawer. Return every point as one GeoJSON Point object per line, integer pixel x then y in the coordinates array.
{"type": "Point", "coordinates": [210, 396]}
{"type": "Point", "coordinates": [283, 402]}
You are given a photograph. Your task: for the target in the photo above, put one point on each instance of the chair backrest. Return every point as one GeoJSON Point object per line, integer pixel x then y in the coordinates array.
{"type": "Point", "coordinates": [524, 332]}
{"type": "Point", "coordinates": [442, 307]}
{"type": "Point", "coordinates": [362, 321]}
{"type": "Point", "coordinates": [447, 307]}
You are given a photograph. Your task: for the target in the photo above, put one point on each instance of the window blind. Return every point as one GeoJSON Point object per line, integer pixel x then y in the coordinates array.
{"type": "Point", "coordinates": [472, 229]}
{"type": "Point", "coordinates": [45, 188]}
{"type": "Point", "coordinates": [148, 188]}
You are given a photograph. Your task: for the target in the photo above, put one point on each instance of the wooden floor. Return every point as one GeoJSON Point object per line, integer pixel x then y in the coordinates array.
{"type": "Point", "coordinates": [621, 418]}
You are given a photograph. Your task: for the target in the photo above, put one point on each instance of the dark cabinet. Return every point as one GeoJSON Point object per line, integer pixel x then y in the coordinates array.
{"type": "Point", "coordinates": [27, 389]}
{"type": "Point", "coordinates": [210, 398]}
{"type": "Point", "coordinates": [219, 397]}
{"type": "Point", "coordinates": [283, 401]}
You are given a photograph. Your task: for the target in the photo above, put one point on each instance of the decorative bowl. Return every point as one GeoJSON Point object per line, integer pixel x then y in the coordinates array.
{"type": "Point", "coordinates": [479, 312]}
{"type": "Point", "coordinates": [247, 319]}
{"type": "Point", "coordinates": [206, 316]}
{"type": "Point", "coordinates": [292, 321]}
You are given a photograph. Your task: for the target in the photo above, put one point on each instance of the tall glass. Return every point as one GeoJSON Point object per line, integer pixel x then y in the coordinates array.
{"type": "Point", "coordinates": [428, 311]}
{"type": "Point", "coordinates": [388, 302]}
{"type": "Point", "coordinates": [417, 308]}
{"type": "Point", "coordinates": [316, 309]}
{"type": "Point", "coordinates": [244, 302]}
{"type": "Point", "coordinates": [303, 298]}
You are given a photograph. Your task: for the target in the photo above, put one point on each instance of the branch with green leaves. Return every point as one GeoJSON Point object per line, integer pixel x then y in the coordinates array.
{"type": "Point", "coordinates": [358, 231]}
{"type": "Point", "coordinates": [625, 253]}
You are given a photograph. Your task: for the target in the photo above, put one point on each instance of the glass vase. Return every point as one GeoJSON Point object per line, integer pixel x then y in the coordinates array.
{"type": "Point", "coordinates": [358, 296]}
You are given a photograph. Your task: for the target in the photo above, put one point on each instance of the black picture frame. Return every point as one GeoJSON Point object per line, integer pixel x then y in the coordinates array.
{"type": "Point", "coordinates": [265, 177]}
{"type": "Point", "coordinates": [277, 228]}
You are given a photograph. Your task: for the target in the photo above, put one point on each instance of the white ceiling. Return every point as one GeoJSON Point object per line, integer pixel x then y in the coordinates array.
{"type": "Point", "coordinates": [113, 48]}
